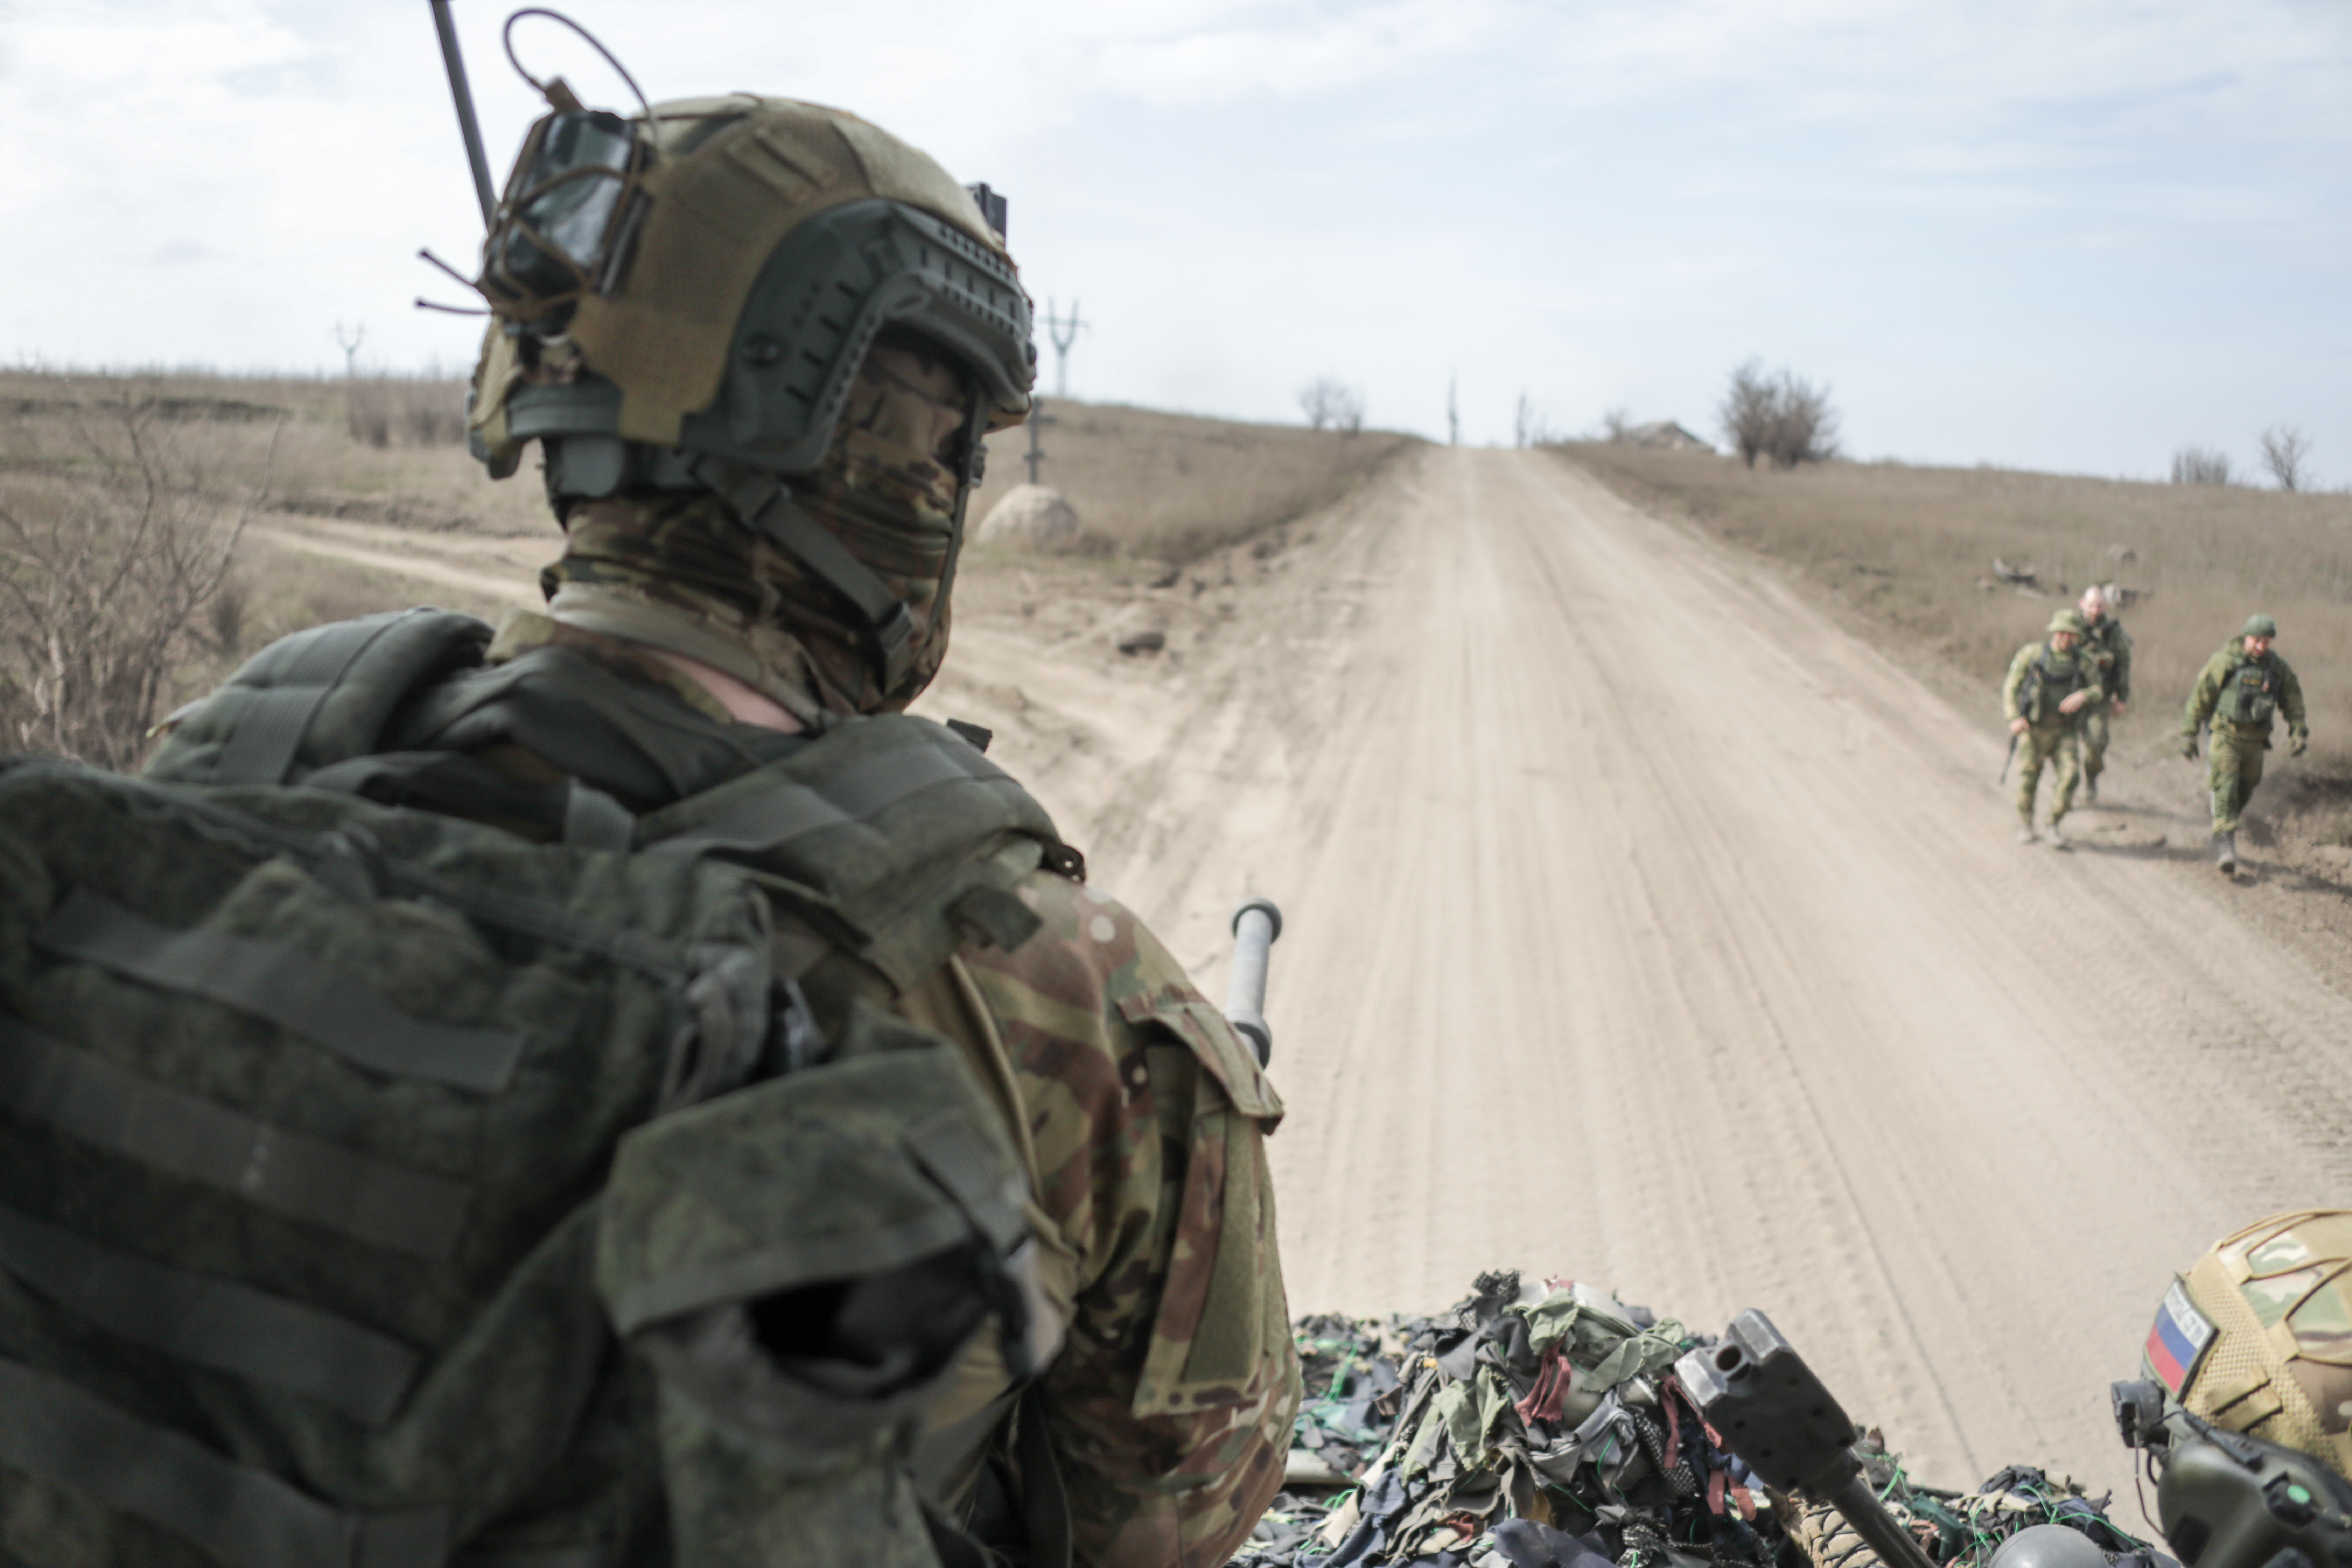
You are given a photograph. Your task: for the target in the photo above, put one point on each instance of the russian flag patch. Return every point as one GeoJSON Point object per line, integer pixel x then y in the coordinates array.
{"type": "Point", "coordinates": [2178, 1341]}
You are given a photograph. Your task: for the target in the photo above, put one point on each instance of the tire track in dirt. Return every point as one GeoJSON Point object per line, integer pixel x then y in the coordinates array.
{"type": "Point", "coordinates": [1644, 926]}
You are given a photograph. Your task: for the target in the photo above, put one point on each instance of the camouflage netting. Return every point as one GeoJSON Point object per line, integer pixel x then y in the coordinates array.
{"type": "Point", "coordinates": [1539, 1426]}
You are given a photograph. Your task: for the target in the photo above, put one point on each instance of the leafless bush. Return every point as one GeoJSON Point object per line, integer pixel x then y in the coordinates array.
{"type": "Point", "coordinates": [2200, 466]}
{"type": "Point", "coordinates": [2285, 447]}
{"type": "Point", "coordinates": [1782, 418]}
{"type": "Point", "coordinates": [1530, 428]}
{"type": "Point", "coordinates": [408, 411]}
{"type": "Point", "coordinates": [113, 559]}
{"type": "Point", "coordinates": [1331, 404]}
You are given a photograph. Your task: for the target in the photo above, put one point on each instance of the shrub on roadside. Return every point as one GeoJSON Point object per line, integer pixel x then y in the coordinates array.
{"type": "Point", "coordinates": [1782, 418]}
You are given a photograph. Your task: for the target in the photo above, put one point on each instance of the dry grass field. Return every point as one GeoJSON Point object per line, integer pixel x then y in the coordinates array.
{"type": "Point", "coordinates": [1172, 487]}
{"type": "Point", "coordinates": [1908, 553]}
{"type": "Point", "coordinates": [304, 475]}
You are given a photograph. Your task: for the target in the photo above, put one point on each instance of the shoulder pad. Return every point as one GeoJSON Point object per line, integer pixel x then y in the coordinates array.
{"type": "Point", "coordinates": [316, 698]}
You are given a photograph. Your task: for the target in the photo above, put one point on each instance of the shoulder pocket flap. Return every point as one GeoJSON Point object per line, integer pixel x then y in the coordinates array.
{"type": "Point", "coordinates": [828, 1173]}
{"type": "Point", "coordinates": [1225, 1053]}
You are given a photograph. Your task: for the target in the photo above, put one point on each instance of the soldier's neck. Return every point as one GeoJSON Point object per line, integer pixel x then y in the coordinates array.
{"type": "Point", "coordinates": [744, 705]}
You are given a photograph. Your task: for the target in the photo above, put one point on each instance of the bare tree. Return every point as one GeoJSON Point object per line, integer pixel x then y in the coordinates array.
{"type": "Point", "coordinates": [1453, 411]}
{"type": "Point", "coordinates": [1528, 428]}
{"type": "Point", "coordinates": [2285, 447]}
{"type": "Point", "coordinates": [1615, 422]}
{"type": "Point", "coordinates": [1782, 418]}
{"type": "Point", "coordinates": [114, 567]}
{"type": "Point", "coordinates": [1331, 404]}
{"type": "Point", "coordinates": [2200, 466]}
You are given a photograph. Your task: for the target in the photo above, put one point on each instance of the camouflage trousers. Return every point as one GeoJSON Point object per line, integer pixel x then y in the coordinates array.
{"type": "Point", "coordinates": [2237, 768]}
{"type": "Point", "coordinates": [2093, 732]}
{"type": "Point", "coordinates": [2039, 744]}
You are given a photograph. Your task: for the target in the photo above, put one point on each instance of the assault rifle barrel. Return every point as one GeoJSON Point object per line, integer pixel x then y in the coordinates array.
{"type": "Point", "coordinates": [1256, 923]}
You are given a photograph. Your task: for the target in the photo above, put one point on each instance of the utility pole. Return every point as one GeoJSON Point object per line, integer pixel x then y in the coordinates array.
{"type": "Point", "coordinates": [1038, 417]}
{"type": "Point", "coordinates": [1453, 411]}
{"type": "Point", "coordinates": [1065, 334]}
{"type": "Point", "coordinates": [351, 349]}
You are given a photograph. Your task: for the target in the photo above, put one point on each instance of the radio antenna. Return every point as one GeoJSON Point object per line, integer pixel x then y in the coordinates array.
{"type": "Point", "coordinates": [466, 125]}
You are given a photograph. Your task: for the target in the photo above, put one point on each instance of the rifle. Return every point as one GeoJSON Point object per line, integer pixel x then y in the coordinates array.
{"type": "Point", "coordinates": [2010, 758]}
{"type": "Point", "coordinates": [1776, 1416]}
{"type": "Point", "coordinates": [1256, 923]}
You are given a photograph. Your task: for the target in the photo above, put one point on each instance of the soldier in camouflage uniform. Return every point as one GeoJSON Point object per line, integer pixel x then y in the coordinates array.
{"type": "Point", "coordinates": [2239, 690]}
{"type": "Point", "coordinates": [680, 640]}
{"type": "Point", "coordinates": [2050, 685]}
{"type": "Point", "coordinates": [2109, 647]}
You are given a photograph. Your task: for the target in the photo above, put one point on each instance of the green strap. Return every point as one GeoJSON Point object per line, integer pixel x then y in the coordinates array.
{"type": "Point", "coordinates": [270, 729]}
{"type": "Point", "coordinates": [213, 1323]}
{"type": "Point", "coordinates": [762, 812]}
{"type": "Point", "coordinates": [373, 1200]}
{"type": "Point", "coordinates": [761, 500]}
{"type": "Point", "coordinates": [323, 1003]}
{"type": "Point", "coordinates": [243, 1516]}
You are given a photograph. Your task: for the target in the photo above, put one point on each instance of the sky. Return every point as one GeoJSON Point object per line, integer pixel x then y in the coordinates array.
{"type": "Point", "coordinates": [2067, 235]}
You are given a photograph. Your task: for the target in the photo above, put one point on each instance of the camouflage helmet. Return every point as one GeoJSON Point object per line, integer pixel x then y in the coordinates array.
{"type": "Point", "coordinates": [704, 279]}
{"type": "Point", "coordinates": [2258, 1337]}
{"type": "Point", "coordinates": [2260, 626]}
{"type": "Point", "coordinates": [2070, 621]}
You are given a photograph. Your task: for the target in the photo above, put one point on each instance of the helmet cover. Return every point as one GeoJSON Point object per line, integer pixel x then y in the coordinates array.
{"type": "Point", "coordinates": [2260, 626]}
{"type": "Point", "coordinates": [751, 251]}
{"type": "Point", "coordinates": [2070, 621]}
{"type": "Point", "coordinates": [2258, 1337]}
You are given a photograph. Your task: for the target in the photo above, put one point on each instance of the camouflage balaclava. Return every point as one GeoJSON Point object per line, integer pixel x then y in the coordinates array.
{"type": "Point", "coordinates": [680, 571]}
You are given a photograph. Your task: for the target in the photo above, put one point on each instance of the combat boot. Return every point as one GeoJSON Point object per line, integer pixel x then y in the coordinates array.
{"type": "Point", "coordinates": [2090, 788]}
{"type": "Point", "coordinates": [2025, 833]}
{"type": "Point", "coordinates": [2225, 853]}
{"type": "Point", "coordinates": [2057, 839]}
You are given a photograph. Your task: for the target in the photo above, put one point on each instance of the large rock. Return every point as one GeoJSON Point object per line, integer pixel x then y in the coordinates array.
{"type": "Point", "coordinates": [1036, 515]}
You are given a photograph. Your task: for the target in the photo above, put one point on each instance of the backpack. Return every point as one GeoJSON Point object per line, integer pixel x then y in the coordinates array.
{"type": "Point", "coordinates": [342, 1140]}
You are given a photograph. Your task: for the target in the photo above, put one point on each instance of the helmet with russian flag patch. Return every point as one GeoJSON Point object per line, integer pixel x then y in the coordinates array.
{"type": "Point", "coordinates": [2257, 1338]}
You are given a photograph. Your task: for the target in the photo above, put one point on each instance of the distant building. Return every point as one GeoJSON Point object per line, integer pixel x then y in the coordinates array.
{"type": "Point", "coordinates": [1667, 436]}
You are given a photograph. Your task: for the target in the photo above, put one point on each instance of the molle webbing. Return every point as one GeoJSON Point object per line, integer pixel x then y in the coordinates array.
{"type": "Point", "coordinates": [247, 1517]}
{"type": "Point", "coordinates": [896, 827]}
{"type": "Point", "coordinates": [217, 1323]}
{"type": "Point", "coordinates": [330, 1007]}
{"type": "Point", "coordinates": [369, 1199]}
{"type": "Point", "coordinates": [316, 697]}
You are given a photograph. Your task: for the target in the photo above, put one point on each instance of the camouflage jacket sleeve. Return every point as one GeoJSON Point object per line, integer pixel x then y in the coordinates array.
{"type": "Point", "coordinates": [2017, 668]}
{"type": "Point", "coordinates": [2206, 692]}
{"type": "Point", "coordinates": [2291, 698]}
{"type": "Point", "coordinates": [2120, 677]}
{"type": "Point", "coordinates": [1169, 1406]}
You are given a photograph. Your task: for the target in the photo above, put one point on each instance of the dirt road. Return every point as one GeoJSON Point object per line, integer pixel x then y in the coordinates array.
{"type": "Point", "coordinates": [1645, 927]}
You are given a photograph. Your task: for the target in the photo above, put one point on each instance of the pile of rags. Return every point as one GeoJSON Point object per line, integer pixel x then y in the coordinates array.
{"type": "Point", "coordinates": [1538, 1427]}
{"type": "Point", "coordinates": [1539, 1424]}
